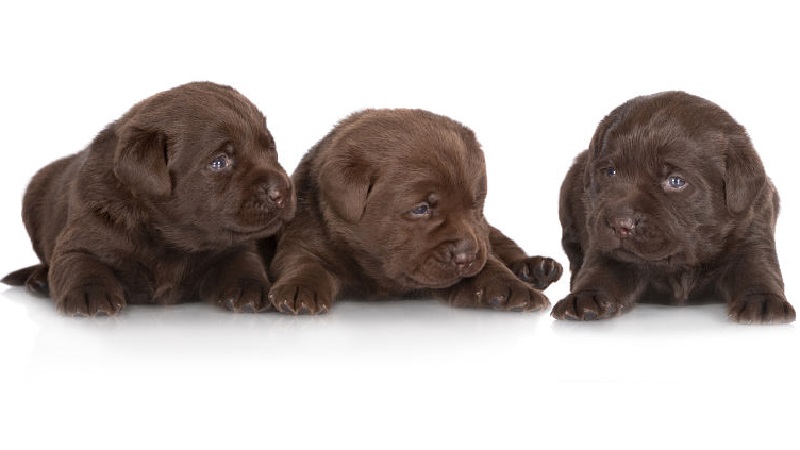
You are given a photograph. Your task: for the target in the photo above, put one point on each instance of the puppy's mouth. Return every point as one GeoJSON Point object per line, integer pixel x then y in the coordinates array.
{"type": "Point", "coordinates": [629, 256]}
{"type": "Point", "coordinates": [259, 209]}
{"type": "Point", "coordinates": [665, 256]}
{"type": "Point", "coordinates": [641, 247]}
{"type": "Point", "coordinates": [263, 229]}
{"type": "Point", "coordinates": [260, 217]}
{"type": "Point", "coordinates": [423, 282]}
{"type": "Point", "coordinates": [435, 274]}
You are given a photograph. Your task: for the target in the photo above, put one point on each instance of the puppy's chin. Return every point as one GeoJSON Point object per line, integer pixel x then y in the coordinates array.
{"type": "Point", "coordinates": [246, 232]}
{"type": "Point", "coordinates": [645, 246]}
{"type": "Point", "coordinates": [436, 275]}
{"type": "Point", "coordinates": [658, 252]}
{"type": "Point", "coordinates": [256, 222]}
{"type": "Point", "coordinates": [193, 238]}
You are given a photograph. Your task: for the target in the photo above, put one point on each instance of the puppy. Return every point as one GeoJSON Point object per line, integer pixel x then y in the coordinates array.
{"type": "Point", "coordinates": [164, 206]}
{"type": "Point", "coordinates": [670, 201]}
{"type": "Point", "coordinates": [390, 203]}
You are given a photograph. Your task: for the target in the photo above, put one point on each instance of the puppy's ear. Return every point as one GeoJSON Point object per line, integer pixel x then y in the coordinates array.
{"type": "Point", "coordinates": [140, 162]}
{"type": "Point", "coordinates": [745, 176]}
{"type": "Point", "coordinates": [345, 182]}
{"type": "Point", "coordinates": [597, 145]}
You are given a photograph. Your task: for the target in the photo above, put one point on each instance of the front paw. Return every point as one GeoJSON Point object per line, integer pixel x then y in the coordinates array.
{"type": "Point", "coordinates": [290, 298]}
{"type": "Point", "coordinates": [499, 291]}
{"type": "Point", "coordinates": [539, 271]}
{"type": "Point", "coordinates": [588, 305]}
{"type": "Point", "coordinates": [246, 296]}
{"type": "Point", "coordinates": [761, 308]}
{"type": "Point", "coordinates": [91, 300]}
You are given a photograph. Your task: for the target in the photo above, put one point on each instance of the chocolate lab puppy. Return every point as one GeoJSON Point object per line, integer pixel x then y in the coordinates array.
{"type": "Point", "coordinates": [390, 203]}
{"type": "Point", "coordinates": [670, 201]}
{"type": "Point", "coordinates": [165, 205]}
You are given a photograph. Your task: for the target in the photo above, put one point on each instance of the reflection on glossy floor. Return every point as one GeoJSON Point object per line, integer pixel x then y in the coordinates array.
{"type": "Point", "coordinates": [397, 373]}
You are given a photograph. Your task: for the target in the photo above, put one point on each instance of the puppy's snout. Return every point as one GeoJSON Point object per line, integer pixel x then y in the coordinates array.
{"type": "Point", "coordinates": [277, 190]}
{"type": "Point", "coordinates": [278, 194]}
{"type": "Point", "coordinates": [623, 226]}
{"type": "Point", "coordinates": [464, 253]}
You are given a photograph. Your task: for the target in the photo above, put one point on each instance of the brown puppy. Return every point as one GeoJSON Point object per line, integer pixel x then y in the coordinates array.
{"type": "Point", "coordinates": [670, 200]}
{"type": "Point", "coordinates": [164, 206]}
{"type": "Point", "coordinates": [390, 203]}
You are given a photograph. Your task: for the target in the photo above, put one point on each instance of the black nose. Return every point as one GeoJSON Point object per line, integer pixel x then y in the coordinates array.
{"type": "Point", "coordinates": [623, 226]}
{"type": "Point", "coordinates": [278, 192]}
{"type": "Point", "coordinates": [464, 253]}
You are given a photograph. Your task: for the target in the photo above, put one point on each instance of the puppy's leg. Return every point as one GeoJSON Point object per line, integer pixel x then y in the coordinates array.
{"type": "Point", "coordinates": [602, 289]}
{"type": "Point", "coordinates": [238, 283]}
{"type": "Point", "coordinates": [539, 271]}
{"type": "Point", "coordinates": [302, 284]}
{"type": "Point", "coordinates": [81, 285]}
{"type": "Point", "coordinates": [571, 243]}
{"type": "Point", "coordinates": [753, 288]}
{"type": "Point", "coordinates": [496, 287]}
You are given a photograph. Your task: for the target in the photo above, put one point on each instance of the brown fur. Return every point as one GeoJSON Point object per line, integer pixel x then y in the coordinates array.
{"type": "Point", "coordinates": [671, 202]}
{"type": "Point", "coordinates": [140, 215]}
{"type": "Point", "coordinates": [390, 203]}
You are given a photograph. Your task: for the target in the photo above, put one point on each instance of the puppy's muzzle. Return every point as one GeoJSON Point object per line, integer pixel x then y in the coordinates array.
{"type": "Point", "coordinates": [275, 189]}
{"type": "Point", "coordinates": [463, 255]}
{"type": "Point", "coordinates": [623, 226]}
{"type": "Point", "coordinates": [277, 192]}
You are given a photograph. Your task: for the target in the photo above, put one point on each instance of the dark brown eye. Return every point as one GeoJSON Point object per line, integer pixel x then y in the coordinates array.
{"type": "Point", "coordinates": [220, 162]}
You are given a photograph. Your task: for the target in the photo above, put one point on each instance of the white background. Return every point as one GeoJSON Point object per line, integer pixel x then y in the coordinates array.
{"type": "Point", "coordinates": [532, 80]}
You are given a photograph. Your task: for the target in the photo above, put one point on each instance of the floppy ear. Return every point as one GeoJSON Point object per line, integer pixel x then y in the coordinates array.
{"type": "Point", "coordinates": [745, 176]}
{"type": "Point", "coordinates": [345, 183]}
{"type": "Point", "coordinates": [140, 162]}
{"type": "Point", "coordinates": [596, 145]}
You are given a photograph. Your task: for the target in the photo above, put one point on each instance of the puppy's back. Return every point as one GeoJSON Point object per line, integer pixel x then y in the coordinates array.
{"type": "Point", "coordinates": [45, 204]}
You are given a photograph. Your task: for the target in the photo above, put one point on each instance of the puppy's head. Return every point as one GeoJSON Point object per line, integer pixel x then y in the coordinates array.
{"type": "Point", "coordinates": [404, 189]}
{"type": "Point", "coordinates": [668, 176]}
{"type": "Point", "coordinates": [201, 161]}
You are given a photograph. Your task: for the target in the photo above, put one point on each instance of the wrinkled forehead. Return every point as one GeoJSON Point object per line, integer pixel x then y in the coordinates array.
{"type": "Point", "coordinates": [442, 158]}
{"type": "Point", "coordinates": [212, 119]}
{"type": "Point", "coordinates": [669, 118]}
{"type": "Point", "coordinates": [227, 110]}
{"type": "Point", "coordinates": [439, 173]}
{"type": "Point", "coordinates": [656, 152]}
